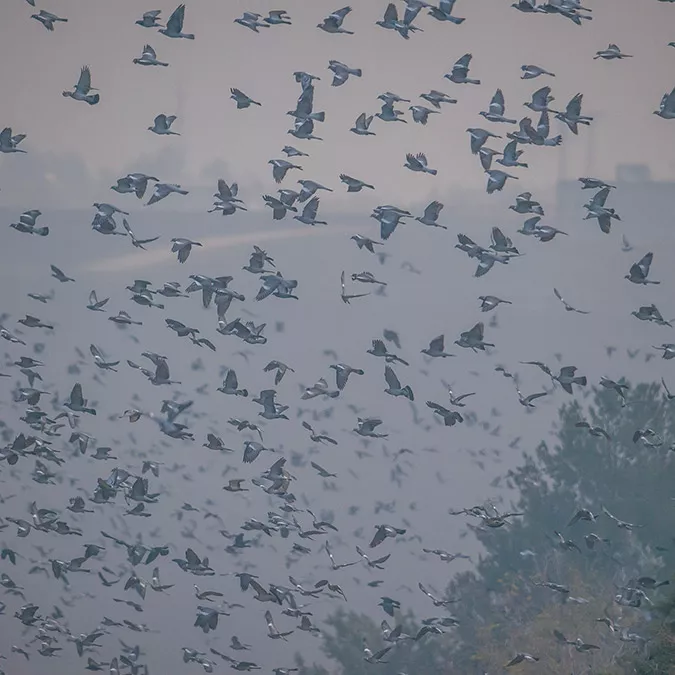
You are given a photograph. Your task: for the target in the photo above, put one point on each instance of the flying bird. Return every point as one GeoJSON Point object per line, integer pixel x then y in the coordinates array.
{"type": "Point", "coordinates": [82, 89]}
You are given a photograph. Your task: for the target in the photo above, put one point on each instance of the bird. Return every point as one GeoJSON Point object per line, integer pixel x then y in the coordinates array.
{"type": "Point", "coordinates": [444, 12]}
{"type": "Point", "coordinates": [430, 215]}
{"type": "Point", "coordinates": [148, 57]}
{"type": "Point", "coordinates": [490, 302]}
{"type": "Point", "coordinates": [174, 26]}
{"type": "Point", "coordinates": [374, 657]}
{"type": "Point", "coordinates": [473, 338]}
{"type": "Point", "coordinates": [495, 112]}
{"type": "Point", "coordinates": [182, 247]}
{"type": "Point", "coordinates": [280, 168]}
{"type": "Point", "coordinates": [136, 183]}
{"type": "Point", "coordinates": [95, 304]}
{"type": "Point", "coordinates": [379, 349]}
{"type": "Point", "coordinates": [532, 71]}
{"type": "Point", "coordinates": [449, 417]}
{"type": "Point", "coordinates": [354, 184]}
{"type": "Point", "coordinates": [77, 403]}
{"type": "Point", "coordinates": [521, 657]}
{"type": "Point", "coordinates": [596, 209]}
{"type": "Point", "coordinates": [511, 156]}
{"type": "Point", "coordinates": [421, 113]}
{"type": "Point", "coordinates": [241, 99]}
{"type": "Point", "coordinates": [612, 52]}
{"type": "Point", "coordinates": [162, 125]}
{"type": "Point", "coordinates": [497, 179]}
{"type": "Point", "coordinates": [348, 297]}
{"type": "Point", "coordinates": [593, 430]}
{"type": "Point", "coordinates": [137, 243]}
{"type": "Point", "coordinates": [418, 163]}
{"type": "Point", "coordinates": [333, 22]}
{"type": "Point", "coordinates": [385, 532]}
{"type": "Point", "coordinates": [309, 213]}
{"type": "Point", "coordinates": [394, 387]}
{"type": "Point", "coordinates": [341, 72]}
{"type": "Point", "coordinates": [82, 89]}
{"type": "Point", "coordinates": [437, 601]}
{"type": "Point", "coordinates": [639, 271]}
{"type": "Point", "coordinates": [594, 184]}
{"type": "Point", "coordinates": [567, 306]}
{"type": "Point", "coordinates": [279, 208]}
{"type": "Point", "coordinates": [27, 223]}
{"type": "Point", "coordinates": [391, 21]}
{"type": "Point", "coordinates": [9, 142]}
{"type": "Point", "coordinates": [252, 21]}
{"type": "Point", "coordinates": [163, 190]}
{"type": "Point", "coordinates": [668, 351]}
{"type": "Point", "coordinates": [436, 97]}
{"type": "Point", "coordinates": [567, 377]}
{"type": "Point", "coordinates": [320, 388]}
{"type": "Point", "coordinates": [290, 151]}
{"type": "Point", "coordinates": [281, 370]}
{"type": "Point", "coordinates": [272, 630]}
{"type": "Point", "coordinates": [572, 116]}
{"type": "Point", "coordinates": [47, 19]}
{"type": "Point", "coordinates": [436, 348]}
{"type": "Point", "coordinates": [277, 17]}
{"type": "Point", "coordinates": [342, 373]}
{"type": "Point", "coordinates": [667, 106]}
{"type": "Point", "coordinates": [479, 137]}
{"type": "Point", "coordinates": [59, 275]}
{"type": "Point", "coordinates": [150, 19]}
{"type": "Point", "coordinates": [231, 385]}
{"type": "Point", "coordinates": [320, 438]}
{"type": "Point", "coordinates": [460, 71]}
{"type": "Point", "coordinates": [540, 100]}
{"type": "Point", "coordinates": [526, 401]}
{"type": "Point", "coordinates": [362, 124]}
{"type": "Point", "coordinates": [366, 427]}
{"type": "Point", "coordinates": [367, 278]}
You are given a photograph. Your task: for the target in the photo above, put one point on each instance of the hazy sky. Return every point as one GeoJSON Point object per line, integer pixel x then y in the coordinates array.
{"type": "Point", "coordinates": [196, 86]}
{"type": "Point", "coordinates": [217, 140]}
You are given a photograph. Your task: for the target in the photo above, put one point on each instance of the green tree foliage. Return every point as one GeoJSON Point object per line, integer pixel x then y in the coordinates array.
{"type": "Point", "coordinates": [632, 480]}
{"type": "Point", "coordinates": [504, 611]}
{"type": "Point", "coordinates": [343, 645]}
{"type": "Point", "coordinates": [661, 648]}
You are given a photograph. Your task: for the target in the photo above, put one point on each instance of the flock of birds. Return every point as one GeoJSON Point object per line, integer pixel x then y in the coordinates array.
{"type": "Point", "coordinates": [44, 443]}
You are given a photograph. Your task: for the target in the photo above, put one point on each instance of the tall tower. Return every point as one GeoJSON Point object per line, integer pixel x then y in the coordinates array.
{"type": "Point", "coordinates": [559, 188]}
{"type": "Point", "coordinates": [179, 88]}
{"type": "Point", "coordinates": [562, 162]}
{"type": "Point", "coordinates": [591, 144]}
{"type": "Point", "coordinates": [182, 106]}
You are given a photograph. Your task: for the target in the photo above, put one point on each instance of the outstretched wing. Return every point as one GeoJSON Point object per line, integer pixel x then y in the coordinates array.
{"type": "Point", "coordinates": [84, 83]}
{"type": "Point", "coordinates": [433, 210]}
{"type": "Point", "coordinates": [645, 263]}
{"type": "Point", "coordinates": [390, 14]}
{"type": "Point", "coordinates": [476, 333]}
{"type": "Point", "coordinates": [76, 397]}
{"type": "Point", "coordinates": [311, 208]}
{"type": "Point", "coordinates": [573, 108]}
{"type": "Point", "coordinates": [379, 537]}
{"type": "Point", "coordinates": [175, 22]}
{"type": "Point", "coordinates": [390, 377]}
{"type": "Point", "coordinates": [497, 103]}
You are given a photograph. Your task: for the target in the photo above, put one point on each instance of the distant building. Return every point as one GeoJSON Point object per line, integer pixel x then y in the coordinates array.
{"type": "Point", "coordinates": [638, 199]}
{"type": "Point", "coordinates": [633, 173]}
